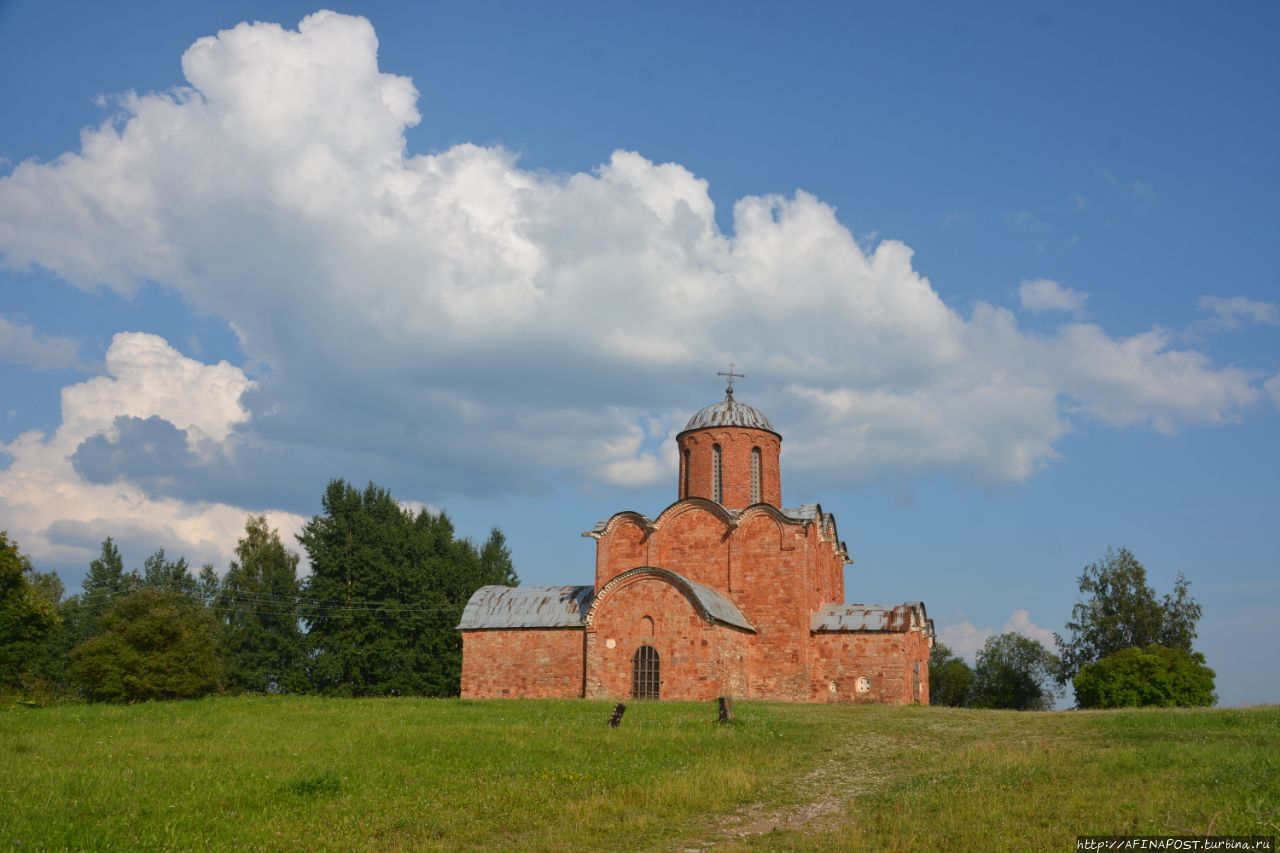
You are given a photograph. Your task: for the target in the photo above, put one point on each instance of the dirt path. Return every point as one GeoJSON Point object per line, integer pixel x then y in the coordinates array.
{"type": "Point", "coordinates": [856, 765]}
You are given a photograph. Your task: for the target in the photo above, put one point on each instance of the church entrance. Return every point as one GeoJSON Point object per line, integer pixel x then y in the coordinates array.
{"type": "Point", "coordinates": [646, 678]}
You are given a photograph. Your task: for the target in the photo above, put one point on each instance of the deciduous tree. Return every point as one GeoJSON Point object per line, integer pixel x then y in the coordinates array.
{"type": "Point", "coordinates": [260, 639]}
{"type": "Point", "coordinates": [1014, 672]}
{"type": "Point", "coordinates": [1120, 610]}
{"type": "Point", "coordinates": [28, 617]}
{"type": "Point", "coordinates": [950, 678]}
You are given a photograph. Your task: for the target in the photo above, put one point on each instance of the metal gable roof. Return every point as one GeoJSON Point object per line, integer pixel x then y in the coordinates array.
{"type": "Point", "coordinates": [867, 617]}
{"type": "Point", "coordinates": [527, 607]}
{"type": "Point", "coordinates": [717, 606]}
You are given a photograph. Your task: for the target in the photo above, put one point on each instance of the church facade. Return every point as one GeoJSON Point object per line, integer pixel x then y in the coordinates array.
{"type": "Point", "coordinates": [723, 593]}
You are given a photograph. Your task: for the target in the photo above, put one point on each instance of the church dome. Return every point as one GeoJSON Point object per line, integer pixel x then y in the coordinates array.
{"type": "Point", "coordinates": [729, 412]}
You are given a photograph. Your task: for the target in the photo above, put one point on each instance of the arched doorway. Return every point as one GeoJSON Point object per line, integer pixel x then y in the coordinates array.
{"type": "Point", "coordinates": [646, 678]}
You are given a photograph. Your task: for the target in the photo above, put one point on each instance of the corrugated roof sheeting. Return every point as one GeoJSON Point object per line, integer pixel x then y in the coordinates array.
{"type": "Point", "coordinates": [527, 607]}
{"type": "Point", "coordinates": [717, 606]}
{"type": "Point", "coordinates": [866, 617]}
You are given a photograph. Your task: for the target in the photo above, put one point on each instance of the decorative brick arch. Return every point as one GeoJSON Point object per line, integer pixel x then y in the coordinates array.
{"type": "Point", "coordinates": [700, 636]}
{"type": "Point", "coordinates": [782, 523]}
{"type": "Point", "coordinates": [686, 587]}
{"type": "Point", "coordinates": [688, 504]}
{"type": "Point", "coordinates": [640, 520]}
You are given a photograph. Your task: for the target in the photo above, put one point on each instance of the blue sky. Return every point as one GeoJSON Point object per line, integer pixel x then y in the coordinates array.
{"type": "Point", "coordinates": [1000, 276]}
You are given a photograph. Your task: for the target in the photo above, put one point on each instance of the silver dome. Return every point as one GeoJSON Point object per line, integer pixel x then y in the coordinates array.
{"type": "Point", "coordinates": [729, 412]}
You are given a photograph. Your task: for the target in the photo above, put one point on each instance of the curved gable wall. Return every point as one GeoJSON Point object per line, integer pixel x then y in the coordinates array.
{"type": "Point", "coordinates": [699, 658]}
{"type": "Point", "coordinates": [694, 541]}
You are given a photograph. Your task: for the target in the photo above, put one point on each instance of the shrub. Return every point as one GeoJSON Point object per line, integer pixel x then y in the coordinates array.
{"type": "Point", "coordinates": [155, 644]}
{"type": "Point", "coordinates": [1152, 675]}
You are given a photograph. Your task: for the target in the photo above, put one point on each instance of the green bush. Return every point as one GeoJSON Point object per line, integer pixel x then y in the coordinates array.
{"type": "Point", "coordinates": [1149, 676]}
{"type": "Point", "coordinates": [155, 644]}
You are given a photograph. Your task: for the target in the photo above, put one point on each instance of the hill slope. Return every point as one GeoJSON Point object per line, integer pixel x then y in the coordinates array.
{"type": "Point", "coordinates": [408, 773]}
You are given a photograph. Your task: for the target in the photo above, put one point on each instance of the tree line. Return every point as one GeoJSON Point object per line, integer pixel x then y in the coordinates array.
{"type": "Point", "coordinates": [1125, 648]}
{"type": "Point", "coordinates": [375, 617]}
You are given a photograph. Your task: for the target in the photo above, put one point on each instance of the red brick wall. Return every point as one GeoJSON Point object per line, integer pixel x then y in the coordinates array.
{"type": "Point", "coordinates": [537, 663]}
{"type": "Point", "coordinates": [735, 464]}
{"type": "Point", "coordinates": [770, 570]}
{"type": "Point", "coordinates": [887, 660]}
{"type": "Point", "coordinates": [624, 547]}
{"type": "Point", "coordinates": [692, 541]}
{"type": "Point", "coordinates": [776, 571]}
{"type": "Point", "coordinates": [699, 660]}
{"type": "Point", "coordinates": [826, 569]}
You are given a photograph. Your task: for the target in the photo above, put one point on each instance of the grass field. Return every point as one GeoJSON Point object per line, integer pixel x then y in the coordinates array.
{"type": "Point", "coordinates": [272, 773]}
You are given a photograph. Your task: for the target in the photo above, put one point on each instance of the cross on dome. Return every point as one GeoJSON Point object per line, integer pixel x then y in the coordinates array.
{"type": "Point", "coordinates": [728, 392]}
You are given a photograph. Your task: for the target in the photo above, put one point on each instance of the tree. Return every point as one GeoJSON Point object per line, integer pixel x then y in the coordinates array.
{"type": "Point", "coordinates": [155, 643]}
{"type": "Point", "coordinates": [387, 588]}
{"type": "Point", "coordinates": [1181, 613]}
{"type": "Point", "coordinates": [1014, 672]}
{"type": "Point", "coordinates": [1154, 675]}
{"type": "Point", "coordinates": [950, 678]}
{"type": "Point", "coordinates": [159, 572]}
{"type": "Point", "coordinates": [105, 583]}
{"type": "Point", "coordinates": [28, 617]}
{"type": "Point", "coordinates": [496, 568]}
{"type": "Point", "coordinates": [260, 639]}
{"type": "Point", "coordinates": [1120, 611]}
{"type": "Point", "coordinates": [208, 586]}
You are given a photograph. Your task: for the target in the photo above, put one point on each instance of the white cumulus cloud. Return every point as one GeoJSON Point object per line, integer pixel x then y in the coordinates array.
{"type": "Point", "coordinates": [1020, 623]}
{"type": "Point", "coordinates": [966, 640]}
{"type": "Point", "coordinates": [480, 324]}
{"type": "Point", "coordinates": [60, 518]}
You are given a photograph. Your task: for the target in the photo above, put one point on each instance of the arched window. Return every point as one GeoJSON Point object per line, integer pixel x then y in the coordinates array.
{"type": "Point", "coordinates": [684, 473]}
{"type": "Point", "coordinates": [646, 680]}
{"type": "Point", "coordinates": [755, 475]}
{"type": "Point", "coordinates": [717, 485]}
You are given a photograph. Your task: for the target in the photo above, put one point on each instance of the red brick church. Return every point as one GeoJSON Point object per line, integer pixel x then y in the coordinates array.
{"type": "Point", "coordinates": [724, 593]}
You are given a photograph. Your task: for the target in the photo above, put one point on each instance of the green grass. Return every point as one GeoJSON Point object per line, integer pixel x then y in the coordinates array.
{"type": "Point", "coordinates": [263, 773]}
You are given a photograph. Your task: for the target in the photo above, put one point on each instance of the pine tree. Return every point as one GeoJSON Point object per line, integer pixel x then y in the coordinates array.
{"type": "Point", "coordinates": [496, 567]}
{"type": "Point", "coordinates": [387, 588]}
{"type": "Point", "coordinates": [161, 573]}
{"type": "Point", "coordinates": [105, 583]}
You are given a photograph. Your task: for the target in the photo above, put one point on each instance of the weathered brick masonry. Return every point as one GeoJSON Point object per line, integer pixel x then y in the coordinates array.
{"type": "Point", "coordinates": [537, 663]}
{"type": "Point", "coordinates": [724, 593]}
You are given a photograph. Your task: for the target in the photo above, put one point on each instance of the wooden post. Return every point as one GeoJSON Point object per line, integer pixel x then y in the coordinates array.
{"type": "Point", "coordinates": [616, 719]}
{"type": "Point", "coordinates": [726, 709]}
